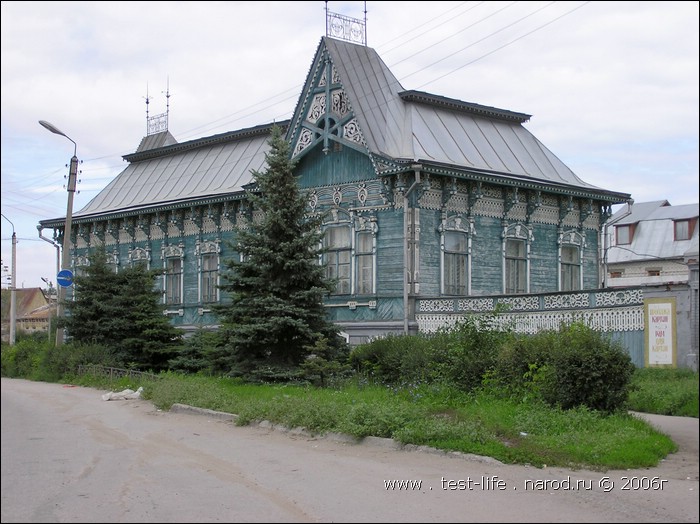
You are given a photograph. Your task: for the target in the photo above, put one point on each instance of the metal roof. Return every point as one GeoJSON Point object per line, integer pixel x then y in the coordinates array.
{"type": "Point", "coordinates": [418, 126]}
{"type": "Point", "coordinates": [203, 168]}
{"type": "Point", "coordinates": [397, 124]}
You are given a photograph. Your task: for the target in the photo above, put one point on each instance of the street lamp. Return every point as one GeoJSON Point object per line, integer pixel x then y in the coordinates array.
{"type": "Point", "coordinates": [65, 261]}
{"type": "Point", "coordinates": [13, 288]}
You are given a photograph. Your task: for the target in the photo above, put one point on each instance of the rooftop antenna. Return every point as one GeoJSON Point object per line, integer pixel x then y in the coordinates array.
{"type": "Point", "coordinates": [159, 123]}
{"type": "Point", "coordinates": [345, 28]}
{"type": "Point", "coordinates": [148, 100]}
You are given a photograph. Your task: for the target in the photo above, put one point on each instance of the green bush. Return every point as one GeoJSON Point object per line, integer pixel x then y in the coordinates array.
{"type": "Point", "coordinates": [41, 360]}
{"type": "Point", "coordinates": [468, 352]}
{"type": "Point", "coordinates": [574, 366]}
{"type": "Point", "coordinates": [393, 359]}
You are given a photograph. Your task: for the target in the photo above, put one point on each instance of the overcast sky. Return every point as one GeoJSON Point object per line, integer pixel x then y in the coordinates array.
{"type": "Point", "coordinates": [612, 87]}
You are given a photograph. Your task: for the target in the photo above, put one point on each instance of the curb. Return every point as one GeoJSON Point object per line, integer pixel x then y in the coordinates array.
{"type": "Point", "coordinates": [380, 442]}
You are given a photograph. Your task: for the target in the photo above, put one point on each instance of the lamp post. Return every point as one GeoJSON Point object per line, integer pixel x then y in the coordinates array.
{"type": "Point", "coordinates": [65, 261]}
{"type": "Point", "coordinates": [13, 286]}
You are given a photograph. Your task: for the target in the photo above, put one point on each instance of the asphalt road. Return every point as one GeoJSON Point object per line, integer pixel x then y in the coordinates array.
{"type": "Point", "coordinates": [69, 456]}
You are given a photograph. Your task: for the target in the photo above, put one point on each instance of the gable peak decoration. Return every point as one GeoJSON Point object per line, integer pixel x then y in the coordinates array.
{"type": "Point", "coordinates": [345, 28]}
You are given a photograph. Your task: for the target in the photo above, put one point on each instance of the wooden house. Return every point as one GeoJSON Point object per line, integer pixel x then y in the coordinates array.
{"type": "Point", "coordinates": [423, 197]}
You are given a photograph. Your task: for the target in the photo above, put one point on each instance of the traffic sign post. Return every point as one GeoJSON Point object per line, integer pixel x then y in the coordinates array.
{"type": "Point", "coordinates": [65, 278]}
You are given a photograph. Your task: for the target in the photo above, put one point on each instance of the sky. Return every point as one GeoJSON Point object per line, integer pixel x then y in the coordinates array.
{"type": "Point", "coordinates": [612, 87]}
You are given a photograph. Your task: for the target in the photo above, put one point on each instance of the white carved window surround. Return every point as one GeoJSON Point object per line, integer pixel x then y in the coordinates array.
{"type": "Point", "coordinates": [140, 256]}
{"type": "Point", "coordinates": [173, 268]}
{"type": "Point", "coordinates": [517, 239]}
{"type": "Point", "coordinates": [456, 234]}
{"type": "Point", "coordinates": [350, 252]}
{"type": "Point", "coordinates": [571, 249]}
{"type": "Point", "coordinates": [207, 254]}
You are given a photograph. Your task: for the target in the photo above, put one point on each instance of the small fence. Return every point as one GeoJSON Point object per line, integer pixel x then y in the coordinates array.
{"type": "Point", "coordinates": [114, 373]}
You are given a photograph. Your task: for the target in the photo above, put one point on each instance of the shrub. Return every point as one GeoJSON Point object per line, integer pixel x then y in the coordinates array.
{"type": "Point", "coordinates": [466, 353]}
{"type": "Point", "coordinates": [574, 366]}
{"type": "Point", "coordinates": [393, 359]}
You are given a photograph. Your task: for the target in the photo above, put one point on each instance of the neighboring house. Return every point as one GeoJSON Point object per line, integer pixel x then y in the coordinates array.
{"type": "Point", "coordinates": [33, 311]}
{"type": "Point", "coordinates": [422, 196]}
{"type": "Point", "coordinates": [649, 244]}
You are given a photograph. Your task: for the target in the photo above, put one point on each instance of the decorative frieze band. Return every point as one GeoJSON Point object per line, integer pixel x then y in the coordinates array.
{"type": "Point", "coordinates": [605, 320]}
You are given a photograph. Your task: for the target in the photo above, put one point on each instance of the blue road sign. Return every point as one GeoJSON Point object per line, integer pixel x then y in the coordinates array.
{"type": "Point", "coordinates": [65, 278]}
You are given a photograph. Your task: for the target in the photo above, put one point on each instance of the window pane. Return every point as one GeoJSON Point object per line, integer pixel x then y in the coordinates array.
{"type": "Point", "coordinates": [173, 278]}
{"type": "Point", "coordinates": [515, 248]}
{"type": "Point", "coordinates": [209, 277]}
{"type": "Point", "coordinates": [682, 230]}
{"type": "Point", "coordinates": [570, 268]}
{"type": "Point", "coordinates": [455, 242]}
{"type": "Point", "coordinates": [365, 274]}
{"type": "Point", "coordinates": [338, 237]}
{"type": "Point", "coordinates": [455, 274]}
{"type": "Point", "coordinates": [569, 254]}
{"type": "Point", "coordinates": [516, 266]}
{"type": "Point", "coordinates": [337, 242]}
{"type": "Point", "coordinates": [623, 234]}
{"type": "Point", "coordinates": [364, 242]}
{"type": "Point", "coordinates": [365, 263]}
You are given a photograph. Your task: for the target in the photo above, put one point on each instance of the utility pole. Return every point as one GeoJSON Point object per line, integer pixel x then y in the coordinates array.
{"type": "Point", "coordinates": [13, 286]}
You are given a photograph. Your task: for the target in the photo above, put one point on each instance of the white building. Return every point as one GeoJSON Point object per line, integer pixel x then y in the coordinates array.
{"type": "Point", "coordinates": [648, 244]}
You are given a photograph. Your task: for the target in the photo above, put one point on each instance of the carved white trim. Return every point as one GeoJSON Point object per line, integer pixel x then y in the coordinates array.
{"type": "Point", "coordinates": [605, 320]}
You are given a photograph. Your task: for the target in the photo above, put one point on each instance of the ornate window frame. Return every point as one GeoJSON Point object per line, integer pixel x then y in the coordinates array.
{"type": "Point", "coordinates": [204, 250]}
{"type": "Point", "coordinates": [139, 255]}
{"type": "Point", "coordinates": [456, 223]}
{"type": "Point", "coordinates": [364, 226]}
{"type": "Point", "coordinates": [173, 253]}
{"type": "Point", "coordinates": [570, 238]}
{"type": "Point", "coordinates": [522, 232]}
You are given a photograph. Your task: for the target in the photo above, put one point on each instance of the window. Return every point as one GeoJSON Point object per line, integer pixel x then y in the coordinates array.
{"type": "Point", "coordinates": [173, 280]}
{"type": "Point", "coordinates": [653, 272]}
{"type": "Point", "coordinates": [173, 264]}
{"type": "Point", "coordinates": [455, 263]}
{"type": "Point", "coordinates": [624, 235]}
{"type": "Point", "coordinates": [139, 257]}
{"type": "Point", "coordinates": [616, 274]}
{"type": "Point", "coordinates": [365, 263]}
{"type": "Point", "coordinates": [571, 268]}
{"type": "Point", "coordinates": [113, 262]}
{"type": "Point", "coordinates": [681, 230]}
{"type": "Point", "coordinates": [207, 253]}
{"type": "Point", "coordinates": [80, 264]}
{"type": "Point", "coordinates": [337, 257]}
{"type": "Point", "coordinates": [515, 266]}
{"type": "Point", "coordinates": [210, 276]}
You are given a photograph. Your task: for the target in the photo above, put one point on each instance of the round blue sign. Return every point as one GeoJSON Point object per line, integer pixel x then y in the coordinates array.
{"type": "Point", "coordinates": [65, 278]}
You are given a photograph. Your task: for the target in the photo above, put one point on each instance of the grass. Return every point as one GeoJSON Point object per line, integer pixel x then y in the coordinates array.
{"type": "Point", "coordinates": [511, 431]}
{"type": "Point", "coordinates": [665, 391]}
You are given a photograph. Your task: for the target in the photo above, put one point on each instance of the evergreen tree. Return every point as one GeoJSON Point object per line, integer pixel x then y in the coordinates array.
{"type": "Point", "coordinates": [276, 312]}
{"type": "Point", "coordinates": [121, 311]}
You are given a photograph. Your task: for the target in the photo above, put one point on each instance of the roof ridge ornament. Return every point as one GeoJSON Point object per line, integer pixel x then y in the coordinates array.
{"type": "Point", "coordinates": [345, 28]}
{"type": "Point", "coordinates": [158, 123]}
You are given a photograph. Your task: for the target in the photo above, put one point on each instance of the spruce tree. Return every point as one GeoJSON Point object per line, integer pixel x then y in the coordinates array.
{"type": "Point", "coordinates": [276, 311]}
{"type": "Point", "coordinates": [121, 311]}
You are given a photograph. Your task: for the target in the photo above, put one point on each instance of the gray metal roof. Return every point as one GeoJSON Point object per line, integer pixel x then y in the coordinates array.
{"type": "Point", "coordinates": [202, 168]}
{"type": "Point", "coordinates": [412, 125]}
{"type": "Point", "coordinates": [396, 124]}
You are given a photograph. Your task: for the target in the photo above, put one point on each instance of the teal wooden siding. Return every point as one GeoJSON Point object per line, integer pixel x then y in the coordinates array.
{"type": "Point", "coordinates": [390, 253]}
{"type": "Point", "coordinates": [333, 168]}
{"type": "Point", "coordinates": [544, 262]}
{"type": "Point", "coordinates": [430, 256]}
{"type": "Point", "coordinates": [487, 259]}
